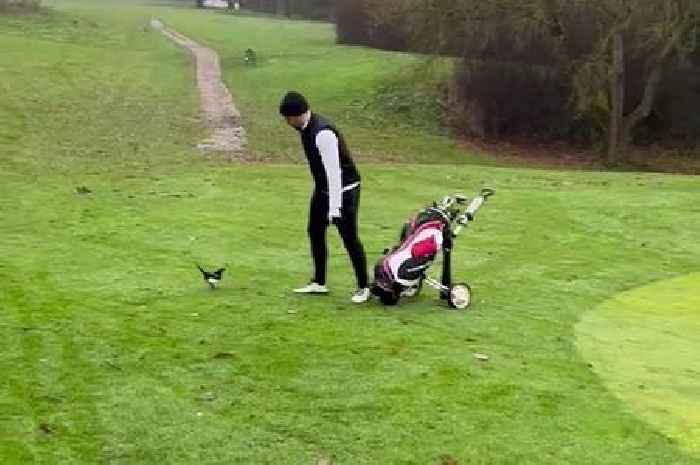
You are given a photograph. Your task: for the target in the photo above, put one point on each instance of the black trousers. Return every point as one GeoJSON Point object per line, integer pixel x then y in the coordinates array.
{"type": "Point", "coordinates": [347, 227]}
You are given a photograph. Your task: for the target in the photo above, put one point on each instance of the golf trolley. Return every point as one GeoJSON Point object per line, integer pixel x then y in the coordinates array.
{"type": "Point", "coordinates": [401, 271]}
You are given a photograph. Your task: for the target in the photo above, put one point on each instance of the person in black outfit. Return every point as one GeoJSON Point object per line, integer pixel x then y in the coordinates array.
{"type": "Point", "coordinates": [336, 196]}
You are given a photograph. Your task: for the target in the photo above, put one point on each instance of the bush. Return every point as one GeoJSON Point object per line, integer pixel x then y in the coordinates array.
{"type": "Point", "coordinates": [352, 22]}
{"type": "Point", "coordinates": [498, 98]}
{"type": "Point", "coordinates": [19, 5]}
{"type": "Point", "coordinates": [375, 23]}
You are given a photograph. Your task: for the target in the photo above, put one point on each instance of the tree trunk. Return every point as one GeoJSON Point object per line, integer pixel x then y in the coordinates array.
{"type": "Point", "coordinates": [617, 101]}
{"type": "Point", "coordinates": [282, 7]}
{"type": "Point", "coordinates": [650, 89]}
{"type": "Point", "coordinates": [644, 108]}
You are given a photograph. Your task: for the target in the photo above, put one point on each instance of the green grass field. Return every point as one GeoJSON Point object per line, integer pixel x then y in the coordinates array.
{"type": "Point", "coordinates": [113, 351]}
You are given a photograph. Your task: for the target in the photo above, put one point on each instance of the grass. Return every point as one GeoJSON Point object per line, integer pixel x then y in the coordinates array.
{"type": "Point", "coordinates": [653, 366]}
{"type": "Point", "coordinates": [112, 350]}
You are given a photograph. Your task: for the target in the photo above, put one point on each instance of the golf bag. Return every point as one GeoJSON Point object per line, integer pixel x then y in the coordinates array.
{"type": "Point", "coordinates": [401, 271]}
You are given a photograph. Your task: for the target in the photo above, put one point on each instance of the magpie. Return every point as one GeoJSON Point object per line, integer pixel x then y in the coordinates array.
{"type": "Point", "coordinates": [212, 277]}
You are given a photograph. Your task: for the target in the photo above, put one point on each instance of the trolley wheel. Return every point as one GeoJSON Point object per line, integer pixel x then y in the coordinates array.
{"type": "Point", "coordinates": [460, 296]}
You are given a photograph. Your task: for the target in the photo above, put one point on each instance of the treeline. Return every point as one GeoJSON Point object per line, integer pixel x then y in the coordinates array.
{"type": "Point", "coordinates": [596, 72]}
{"type": "Point", "coordinates": [27, 5]}
{"type": "Point", "coordinates": [618, 71]}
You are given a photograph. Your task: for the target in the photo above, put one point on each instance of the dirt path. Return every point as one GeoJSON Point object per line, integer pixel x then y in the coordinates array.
{"type": "Point", "coordinates": [223, 119]}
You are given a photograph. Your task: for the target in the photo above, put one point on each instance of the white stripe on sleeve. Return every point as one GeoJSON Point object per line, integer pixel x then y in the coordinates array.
{"type": "Point", "coordinates": [327, 143]}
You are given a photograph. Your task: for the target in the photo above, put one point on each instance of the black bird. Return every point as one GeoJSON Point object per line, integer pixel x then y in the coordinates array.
{"type": "Point", "coordinates": [212, 277]}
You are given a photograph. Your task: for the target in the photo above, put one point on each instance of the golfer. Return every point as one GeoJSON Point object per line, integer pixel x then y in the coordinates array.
{"type": "Point", "coordinates": [336, 196]}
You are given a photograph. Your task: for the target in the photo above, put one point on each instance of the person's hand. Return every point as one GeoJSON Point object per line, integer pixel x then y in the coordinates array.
{"type": "Point", "coordinates": [333, 216]}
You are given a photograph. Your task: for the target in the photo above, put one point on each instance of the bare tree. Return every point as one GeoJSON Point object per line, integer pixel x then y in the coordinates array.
{"type": "Point", "coordinates": [655, 31]}
{"type": "Point", "coordinates": [617, 97]}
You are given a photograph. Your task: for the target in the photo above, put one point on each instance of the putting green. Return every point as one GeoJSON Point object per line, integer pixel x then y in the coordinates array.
{"type": "Point", "coordinates": [645, 345]}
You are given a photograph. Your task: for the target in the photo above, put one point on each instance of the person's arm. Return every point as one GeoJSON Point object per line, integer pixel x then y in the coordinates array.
{"type": "Point", "coordinates": [327, 143]}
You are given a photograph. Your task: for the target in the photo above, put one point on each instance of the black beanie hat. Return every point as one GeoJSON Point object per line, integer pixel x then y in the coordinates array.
{"type": "Point", "coordinates": [293, 104]}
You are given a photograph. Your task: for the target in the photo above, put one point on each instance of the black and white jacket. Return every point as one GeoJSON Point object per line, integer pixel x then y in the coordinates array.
{"type": "Point", "coordinates": [330, 162]}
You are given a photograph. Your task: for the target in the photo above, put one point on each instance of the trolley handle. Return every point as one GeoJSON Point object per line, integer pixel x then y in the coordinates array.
{"type": "Point", "coordinates": [473, 207]}
{"type": "Point", "coordinates": [471, 210]}
{"type": "Point", "coordinates": [487, 192]}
